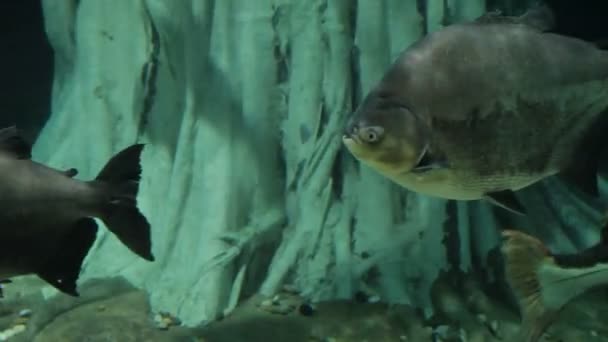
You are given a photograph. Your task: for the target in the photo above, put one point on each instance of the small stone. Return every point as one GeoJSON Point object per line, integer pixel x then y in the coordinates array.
{"type": "Point", "coordinates": [165, 320]}
{"type": "Point", "coordinates": [494, 326]}
{"type": "Point", "coordinates": [101, 308]}
{"type": "Point", "coordinates": [441, 330]}
{"type": "Point", "coordinates": [306, 309]}
{"type": "Point", "coordinates": [276, 299]}
{"type": "Point", "coordinates": [462, 334]}
{"type": "Point", "coordinates": [279, 309]}
{"type": "Point", "coordinates": [482, 318]}
{"type": "Point", "coordinates": [176, 321]}
{"type": "Point", "coordinates": [402, 338]}
{"type": "Point", "coordinates": [158, 318]}
{"type": "Point", "coordinates": [373, 299]}
{"type": "Point", "coordinates": [593, 333]}
{"type": "Point", "coordinates": [161, 321]}
{"type": "Point", "coordinates": [266, 303]}
{"type": "Point", "coordinates": [291, 289]}
{"type": "Point", "coordinates": [25, 313]}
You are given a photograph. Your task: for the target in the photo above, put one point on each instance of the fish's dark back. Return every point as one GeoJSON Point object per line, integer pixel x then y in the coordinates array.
{"type": "Point", "coordinates": [503, 96]}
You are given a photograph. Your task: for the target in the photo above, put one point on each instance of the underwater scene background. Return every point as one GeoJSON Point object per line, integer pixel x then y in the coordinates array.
{"type": "Point", "coordinates": [263, 226]}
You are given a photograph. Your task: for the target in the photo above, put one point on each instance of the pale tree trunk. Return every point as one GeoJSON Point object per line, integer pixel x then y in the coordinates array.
{"type": "Point", "coordinates": [246, 183]}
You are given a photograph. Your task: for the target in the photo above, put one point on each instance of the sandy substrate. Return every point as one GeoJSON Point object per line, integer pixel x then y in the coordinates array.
{"type": "Point", "coordinates": [112, 311]}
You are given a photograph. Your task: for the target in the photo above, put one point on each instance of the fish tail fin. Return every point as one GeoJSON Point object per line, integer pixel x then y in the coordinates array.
{"type": "Point", "coordinates": [524, 256]}
{"type": "Point", "coordinates": [120, 180]}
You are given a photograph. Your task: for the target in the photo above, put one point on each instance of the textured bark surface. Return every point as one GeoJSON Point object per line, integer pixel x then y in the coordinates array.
{"type": "Point", "coordinates": [245, 181]}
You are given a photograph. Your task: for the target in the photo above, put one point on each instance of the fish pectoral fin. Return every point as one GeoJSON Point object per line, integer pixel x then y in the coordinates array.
{"type": "Point", "coordinates": [12, 142]}
{"type": "Point", "coordinates": [506, 199]}
{"type": "Point", "coordinates": [429, 162]}
{"type": "Point", "coordinates": [63, 268]}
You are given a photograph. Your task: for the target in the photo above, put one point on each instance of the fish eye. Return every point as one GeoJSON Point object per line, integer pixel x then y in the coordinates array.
{"type": "Point", "coordinates": [371, 134]}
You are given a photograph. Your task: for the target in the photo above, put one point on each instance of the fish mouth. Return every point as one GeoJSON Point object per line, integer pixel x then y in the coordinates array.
{"type": "Point", "coordinates": [350, 140]}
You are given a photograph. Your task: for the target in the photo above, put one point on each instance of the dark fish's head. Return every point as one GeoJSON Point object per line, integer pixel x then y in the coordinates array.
{"type": "Point", "coordinates": [386, 135]}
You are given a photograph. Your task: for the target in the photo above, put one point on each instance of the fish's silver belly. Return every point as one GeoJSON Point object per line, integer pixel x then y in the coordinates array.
{"type": "Point", "coordinates": [448, 184]}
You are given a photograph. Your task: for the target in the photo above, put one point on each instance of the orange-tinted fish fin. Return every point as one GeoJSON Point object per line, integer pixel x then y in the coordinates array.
{"type": "Point", "coordinates": [506, 199]}
{"type": "Point", "coordinates": [63, 269]}
{"type": "Point", "coordinates": [524, 255]}
{"type": "Point", "coordinates": [12, 142]}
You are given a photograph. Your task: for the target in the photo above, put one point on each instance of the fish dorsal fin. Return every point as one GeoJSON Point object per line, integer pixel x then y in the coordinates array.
{"type": "Point", "coordinates": [539, 17]}
{"type": "Point", "coordinates": [495, 17]}
{"type": "Point", "coordinates": [13, 143]}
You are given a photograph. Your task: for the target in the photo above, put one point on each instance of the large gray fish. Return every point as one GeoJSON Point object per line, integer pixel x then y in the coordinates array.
{"type": "Point", "coordinates": [46, 216]}
{"type": "Point", "coordinates": [481, 109]}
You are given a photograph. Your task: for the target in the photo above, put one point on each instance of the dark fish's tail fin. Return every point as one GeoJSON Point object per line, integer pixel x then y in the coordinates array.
{"type": "Point", "coordinates": [120, 182]}
{"type": "Point", "coordinates": [524, 257]}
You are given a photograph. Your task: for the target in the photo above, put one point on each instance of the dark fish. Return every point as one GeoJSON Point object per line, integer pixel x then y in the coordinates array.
{"type": "Point", "coordinates": [544, 282]}
{"type": "Point", "coordinates": [479, 110]}
{"type": "Point", "coordinates": [46, 216]}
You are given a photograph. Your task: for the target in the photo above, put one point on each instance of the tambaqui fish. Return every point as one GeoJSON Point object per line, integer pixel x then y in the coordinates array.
{"type": "Point", "coordinates": [481, 109]}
